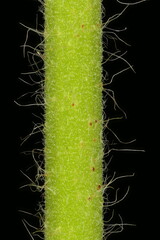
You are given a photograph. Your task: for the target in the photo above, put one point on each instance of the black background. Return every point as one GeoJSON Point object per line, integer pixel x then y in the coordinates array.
{"type": "Point", "coordinates": [136, 93]}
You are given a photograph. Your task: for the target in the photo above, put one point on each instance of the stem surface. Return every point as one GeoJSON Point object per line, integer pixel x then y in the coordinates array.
{"type": "Point", "coordinates": [73, 120]}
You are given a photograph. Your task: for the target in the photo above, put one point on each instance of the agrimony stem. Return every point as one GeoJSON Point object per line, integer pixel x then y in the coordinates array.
{"type": "Point", "coordinates": [73, 120]}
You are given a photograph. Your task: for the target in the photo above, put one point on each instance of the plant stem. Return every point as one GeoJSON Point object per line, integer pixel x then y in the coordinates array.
{"type": "Point", "coordinates": [73, 120]}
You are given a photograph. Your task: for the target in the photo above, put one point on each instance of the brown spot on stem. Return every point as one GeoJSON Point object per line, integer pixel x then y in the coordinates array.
{"type": "Point", "coordinates": [90, 123]}
{"type": "Point", "coordinates": [98, 187]}
{"type": "Point", "coordinates": [93, 169]}
{"type": "Point", "coordinates": [82, 26]}
{"type": "Point", "coordinates": [73, 104]}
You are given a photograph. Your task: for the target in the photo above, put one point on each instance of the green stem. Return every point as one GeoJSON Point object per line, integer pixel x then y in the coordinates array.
{"type": "Point", "coordinates": [73, 120]}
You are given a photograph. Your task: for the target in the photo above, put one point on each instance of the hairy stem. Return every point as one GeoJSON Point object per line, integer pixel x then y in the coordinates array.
{"type": "Point", "coordinates": [73, 120]}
